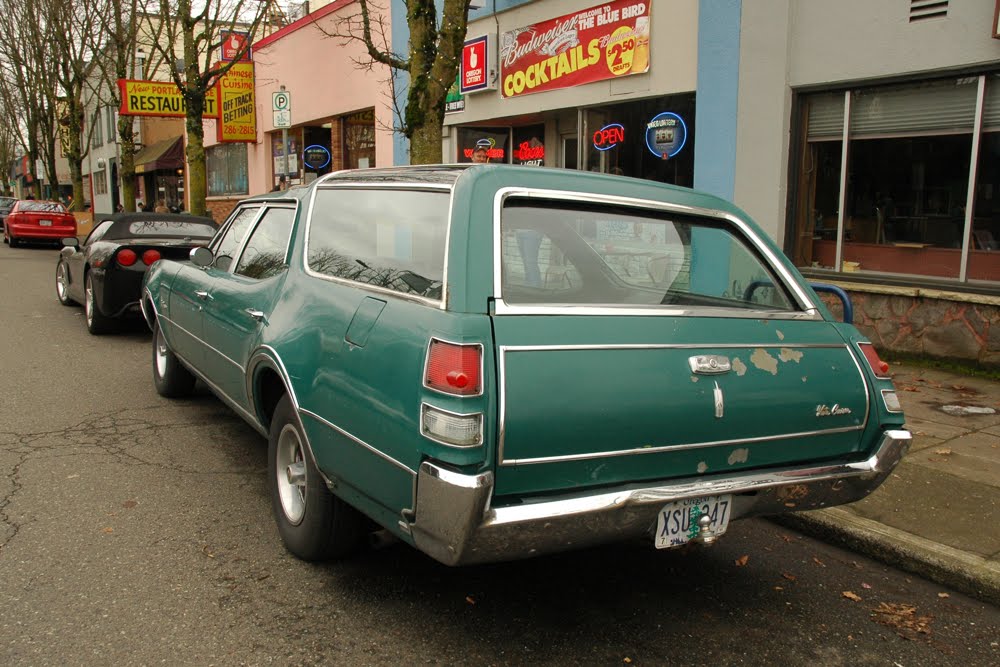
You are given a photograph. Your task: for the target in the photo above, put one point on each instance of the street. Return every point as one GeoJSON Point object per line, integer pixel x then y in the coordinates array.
{"type": "Point", "coordinates": [138, 530]}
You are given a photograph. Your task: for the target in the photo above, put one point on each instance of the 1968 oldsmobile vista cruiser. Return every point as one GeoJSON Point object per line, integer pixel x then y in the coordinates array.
{"type": "Point", "coordinates": [494, 362]}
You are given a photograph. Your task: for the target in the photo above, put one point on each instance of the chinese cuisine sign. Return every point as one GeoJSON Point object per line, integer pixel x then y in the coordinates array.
{"type": "Point", "coordinates": [603, 42]}
{"type": "Point", "coordinates": [238, 117]}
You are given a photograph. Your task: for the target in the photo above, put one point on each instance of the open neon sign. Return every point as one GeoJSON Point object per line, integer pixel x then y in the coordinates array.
{"type": "Point", "coordinates": [609, 136]}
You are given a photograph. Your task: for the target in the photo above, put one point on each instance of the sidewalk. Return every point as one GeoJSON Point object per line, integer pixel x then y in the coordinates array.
{"type": "Point", "coordinates": [938, 514]}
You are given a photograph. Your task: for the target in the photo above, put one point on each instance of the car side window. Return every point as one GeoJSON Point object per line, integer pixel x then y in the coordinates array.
{"type": "Point", "coordinates": [267, 247]}
{"type": "Point", "coordinates": [228, 243]}
{"type": "Point", "coordinates": [98, 232]}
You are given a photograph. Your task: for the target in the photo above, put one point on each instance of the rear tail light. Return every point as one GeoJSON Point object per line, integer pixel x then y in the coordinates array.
{"type": "Point", "coordinates": [126, 257]}
{"type": "Point", "coordinates": [879, 367]}
{"type": "Point", "coordinates": [451, 428]}
{"type": "Point", "coordinates": [150, 256]}
{"type": "Point", "coordinates": [454, 369]}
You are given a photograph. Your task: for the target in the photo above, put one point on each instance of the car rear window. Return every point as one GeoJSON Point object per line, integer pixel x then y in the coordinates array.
{"type": "Point", "coordinates": [41, 207]}
{"type": "Point", "coordinates": [558, 252]}
{"type": "Point", "coordinates": [171, 228]}
{"type": "Point", "coordinates": [389, 238]}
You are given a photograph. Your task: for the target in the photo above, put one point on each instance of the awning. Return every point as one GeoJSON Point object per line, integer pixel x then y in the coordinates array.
{"type": "Point", "coordinates": [166, 154]}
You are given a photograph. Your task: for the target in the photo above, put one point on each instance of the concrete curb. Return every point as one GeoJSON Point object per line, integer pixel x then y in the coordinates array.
{"type": "Point", "coordinates": [965, 572]}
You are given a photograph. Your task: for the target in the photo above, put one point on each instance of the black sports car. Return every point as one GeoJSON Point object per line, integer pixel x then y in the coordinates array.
{"type": "Point", "coordinates": [105, 273]}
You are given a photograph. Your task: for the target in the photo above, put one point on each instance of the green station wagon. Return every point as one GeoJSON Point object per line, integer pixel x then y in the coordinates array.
{"type": "Point", "coordinates": [495, 362]}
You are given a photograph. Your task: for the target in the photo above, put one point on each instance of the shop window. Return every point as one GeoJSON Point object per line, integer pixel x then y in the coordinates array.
{"type": "Point", "coordinates": [904, 195]}
{"type": "Point", "coordinates": [226, 165]}
{"type": "Point", "coordinates": [484, 144]}
{"type": "Point", "coordinates": [359, 140]}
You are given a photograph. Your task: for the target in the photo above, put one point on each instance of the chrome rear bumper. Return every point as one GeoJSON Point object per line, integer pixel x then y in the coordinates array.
{"type": "Point", "coordinates": [454, 523]}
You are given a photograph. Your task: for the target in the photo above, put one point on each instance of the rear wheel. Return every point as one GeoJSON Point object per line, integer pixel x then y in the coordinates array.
{"type": "Point", "coordinates": [170, 377]}
{"type": "Point", "coordinates": [62, 284]}
{"type": "Point", "coordinates": [13, 242]}
{"type": "Point", "coordinates": [97, 322]}
{"type": "Point", "coordinates": [314, 524]}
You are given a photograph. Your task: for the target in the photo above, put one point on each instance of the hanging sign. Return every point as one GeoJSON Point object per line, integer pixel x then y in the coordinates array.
{"type": "Point", "coordinates": [238, 120]}
{"type": "Point", "coordinates": [666, 135]}
{"type": "Point", "coordinates": [478, 65]}
{"type": "Point", "coordinates": [232, 42]}
{"type": "Point", "coordinates": [603, 42]}
{"type": "Point", "coordinates": [160, 98]}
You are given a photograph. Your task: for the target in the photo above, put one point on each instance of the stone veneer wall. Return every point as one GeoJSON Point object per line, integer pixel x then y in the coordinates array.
{"type": "Point", "coordinates": [929, 323]}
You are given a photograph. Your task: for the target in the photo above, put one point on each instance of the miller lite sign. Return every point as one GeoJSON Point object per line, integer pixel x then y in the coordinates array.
{"type": "Point", "coordinates": [479, 70]}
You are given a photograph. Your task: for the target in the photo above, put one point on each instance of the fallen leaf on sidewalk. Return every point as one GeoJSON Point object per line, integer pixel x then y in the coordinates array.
{"type": "Point", "coordinates": [108, 530]}
{"type": "Point", "coordinates": [742, 560]}
{"type": "Point", "coordinates": [909, 387]}
{"type": "Point", "coordinates": [790, 577]}
{"type": "Point", "coordinates": [866, 586]}
{"type": "Point", "coordinates": [944, 595]}
{"type": "Point", "coordinates": [943, 452]}
{"type": "Point", "coordinates": [819, 562]}
{"type": "Point", "coordinates": [851, 596]}
{"type": "Point", "coordinates": [903, 619]}
{"type": "Point", "coordinates": [786, 538]}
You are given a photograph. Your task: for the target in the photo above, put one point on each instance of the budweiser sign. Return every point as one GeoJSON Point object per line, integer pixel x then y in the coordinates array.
{"type": "Point", "coordinates": [602, 42]}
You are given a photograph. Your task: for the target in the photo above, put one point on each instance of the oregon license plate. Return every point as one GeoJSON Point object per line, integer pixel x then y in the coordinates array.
{"type": "Point", "coordinates": [45, 223]}
{"type": "Point", "coordinates": [678, 522]}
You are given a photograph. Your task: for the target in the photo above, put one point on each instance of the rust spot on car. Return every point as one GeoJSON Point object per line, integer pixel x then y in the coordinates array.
{"type": "Point", "coordinates": [781, 336]}
{"type": "Point", "coordinates": [788, 354]}
{"type": "Point", "coordinates": [793, 492]}
{"type": "Point", "coordinates": [702, 467]}
{"type": "Point", "coordinates": [739, 456]}
{"type": "Point", "coordinates": [762, 359]}
{"type": "Point", "coordinates": [694, 378]}
{"type": "Point", "coordinates": [739, 367]}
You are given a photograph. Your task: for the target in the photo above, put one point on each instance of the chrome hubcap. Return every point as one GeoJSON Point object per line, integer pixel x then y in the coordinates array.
{"type": "Point", "coordinates": [61, 282]}
{"type": "Point", "coordinates": [89, 305]}
{"type": "Point", "coordinates": [161, 353]}
{"type": "Point", "coordinates": [290, 469]}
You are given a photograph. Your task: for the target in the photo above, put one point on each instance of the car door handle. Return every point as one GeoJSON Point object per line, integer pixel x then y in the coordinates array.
{"type": "Point", "coordinates": [256, 314]}
{"type": "Point", "coordinates": [204, 296]}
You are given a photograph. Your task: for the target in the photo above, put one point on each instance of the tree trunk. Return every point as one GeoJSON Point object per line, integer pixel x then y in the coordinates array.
{"type": "Point", "coordinates": [425, 142]}
{"type": "Point", "coordinates": [126, 166]}
{"type": "Point", "coordinates": [196, 186]}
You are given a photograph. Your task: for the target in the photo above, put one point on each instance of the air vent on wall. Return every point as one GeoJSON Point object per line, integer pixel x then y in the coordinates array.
{"type": "Point", "coordinates": [922, 10]}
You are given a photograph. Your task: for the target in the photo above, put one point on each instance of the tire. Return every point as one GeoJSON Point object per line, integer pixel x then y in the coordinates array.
{"type": "Point", "coordinates": [314, 524]}
{"type": "Point", "coordinates": [5, 239]}
{"type": "Point", "coordinates": [97, 322]}
{"type": "Point", "coordinates": [62, 284]}
{"type": "Point", "coordinates": [170, 377]}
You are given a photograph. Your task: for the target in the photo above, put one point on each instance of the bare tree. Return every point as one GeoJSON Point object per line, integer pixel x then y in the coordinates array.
{"type": "Point", "coordinates": [196, 26]}
{"type": "Point", "coordinates": [432, 64]}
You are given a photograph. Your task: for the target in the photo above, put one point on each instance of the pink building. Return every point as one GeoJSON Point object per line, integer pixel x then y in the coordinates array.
{"type": "Point", "coordinates": [341, 115]}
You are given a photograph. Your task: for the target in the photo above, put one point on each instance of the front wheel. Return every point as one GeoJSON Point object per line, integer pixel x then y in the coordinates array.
{"type": "Point", "coordinates": [62, 284]}
{"type": "Point", "coordinates": [314, 524]}
{"type": "Point", "coordinates": [170, 377]}
{"type": "Point", "coordinates": [97, 322]}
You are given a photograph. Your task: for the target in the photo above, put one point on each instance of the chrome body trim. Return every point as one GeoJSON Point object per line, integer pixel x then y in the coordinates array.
{"type": "Point", "coordinates": [455, 524]}
{"type": "Point", "coordinates": [441, 303]}
{"type": "Point", "coordinates": [427, 356]}
{"type": "Point", "coordinates": [709, 364]}
{"type": "Point", "coordinates": [355, 439]}
{"type": "Point", "coordinates": [503, 350]}
{"type": "Point", "coordinates": [429, 436]}
{"type": "Point", "coordinates": [805, 302]}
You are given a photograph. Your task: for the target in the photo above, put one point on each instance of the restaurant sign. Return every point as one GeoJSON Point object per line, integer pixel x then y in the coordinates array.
{"type": "Point", "coordinates": [603, 42]}
{"type": "Point", "coordinates": [238, 121]}
{"type": "Point", "coordinates": [160, 98]}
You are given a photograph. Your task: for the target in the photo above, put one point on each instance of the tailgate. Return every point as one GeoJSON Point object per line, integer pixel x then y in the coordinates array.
{"type": "Point", "coordinates": [642, 398]}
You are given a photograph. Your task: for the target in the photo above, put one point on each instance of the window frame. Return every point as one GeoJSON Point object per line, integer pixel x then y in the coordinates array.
{"type": "Point", "coordinates": [261, 217]}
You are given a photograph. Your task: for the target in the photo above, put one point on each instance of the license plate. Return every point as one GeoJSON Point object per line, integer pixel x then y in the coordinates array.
{"type": "Point", "coordinates": [45, 223]}
{"type": "Point", "coordinates": [677, 523]}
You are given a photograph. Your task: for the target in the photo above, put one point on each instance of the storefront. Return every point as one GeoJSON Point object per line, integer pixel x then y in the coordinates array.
{"type": "Point", "coordinates": [321, 147]}
{"type": "Point", "coordinates": [159, 170]}
{"type": "Point", "coordinates": [889, 192]}
{"type": "Point", "coordinates": [607, 88]}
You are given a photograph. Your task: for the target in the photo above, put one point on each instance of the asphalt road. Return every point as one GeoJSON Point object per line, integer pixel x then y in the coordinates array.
{"type": "Point", "coordinates": [137, 530]}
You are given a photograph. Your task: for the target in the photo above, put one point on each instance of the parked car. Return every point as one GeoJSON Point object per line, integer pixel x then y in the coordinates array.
{"type": "Point", "coordinates": [495, 362]}
{"type": "Point", "coordinates": [105, 273]}
{"type": "Point", "coordinates": [37, 221]}
{"type": "Point", "coordinates": [6, 203]}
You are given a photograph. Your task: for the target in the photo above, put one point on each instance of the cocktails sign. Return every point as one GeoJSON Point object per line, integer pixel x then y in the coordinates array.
{"type": "Point", "coordinates": [603, 42]}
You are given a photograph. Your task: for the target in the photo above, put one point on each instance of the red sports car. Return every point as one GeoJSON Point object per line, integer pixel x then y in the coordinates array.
{"type": "Point", "coordinates": [38, 221]}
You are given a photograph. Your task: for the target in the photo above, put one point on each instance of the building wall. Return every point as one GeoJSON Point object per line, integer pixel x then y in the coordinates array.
{"type": "Point", "coordinates": [320, 74]}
